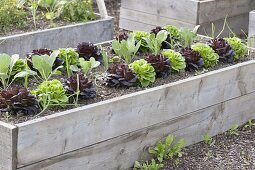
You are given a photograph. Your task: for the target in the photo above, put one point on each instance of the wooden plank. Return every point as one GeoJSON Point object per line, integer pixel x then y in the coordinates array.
{"type": "Point", "coordinates": [77, 128]}
{"type": "Point", "coordinates": [8, 146]}
{"type": "Point", "coordinates": [238, 24]}
{"type": "Point", "coordinates": [182, 10]}
{"type": "Point", "coordinates": [213, 10]}
{"type": "Point", "coordinates": [123, 151]}
{"type": "Point", "coordinates": [252, 29]}
{"type": "Point", "coordinates": [135, 20]}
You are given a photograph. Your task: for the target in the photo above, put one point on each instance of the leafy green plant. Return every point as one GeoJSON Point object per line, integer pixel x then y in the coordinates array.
{"type": "Point", "coordinates": [9, 69]}
{"type": "Point", "coordinates": [176, 59]}
{"type": "Point", "coordinates": [249, 125]}
{"type": "Point", "coordinates": [87, 66]}
{"type": "Point", "coordinates": [11, 15]}
{"type": "Point", "coordinates": [148, 166]}
{"type": "Point", "coordinates": [233, 130]}
{"type": "Point", "coordinates": [33, 7]}
{"type": "Point", "coordinates": [70, 58]}
{"type": "Point", "coordinates": [44, 64]}
{"type": "Point", "coordinates": [239, 47]}
{"type": "Point", "coordinates": [187, 36]}
{"type": "Point", "coordinates": [126, 49]}
{"type": "Point", "coordinates": [54, 8]}
{"type": "Point", "coordinates": [145, 72]}
{"type": "Point", "coordinates": [78, 10]}
{"type": "Point", "coordinates": [207, 53]}
{"type": "Point", "coordinates": [19, 66]}
{"type": "Point", "coordinates": [173, 32]}
{"type": "Point", "coordinates": [141, 36]}
{"type": "Point", "coordinates": [154, 42]}
{"type": "Point", "coordinates": [208, 140]}
{"type": "Point", "coordinates": [51, 93]}
{"type": "Point", "coordinates": [168, 149]}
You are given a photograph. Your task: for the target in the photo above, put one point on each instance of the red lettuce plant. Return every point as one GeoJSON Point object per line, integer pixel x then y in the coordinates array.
{"type": "Point", "coordinates": [122, 36]}
{"type": "Point", "coordinates": [87, 50]}
{"type": "Point", "coordinates": [161, 65]}
{"type": "Point", "coordinates": [86, 87]}
{"type": "Point", "coordinates": [43, 51]}
{"type": "Point", "coordinates": [18, 100]}
{"type": "Point", "coordinates": [193, 59]}
{"type": "Point", "coordinates": [223, 49]}
{"type": "Point", "coordinates": [120, 75]}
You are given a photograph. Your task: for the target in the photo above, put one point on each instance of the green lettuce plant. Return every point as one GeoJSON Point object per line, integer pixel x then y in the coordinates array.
{"type": "Point", "coordinates": [70, 58]}
{"type": "Point", "coordinates": [207, 53]}
{"type": "Point", "coordinates": [145, 72]}
{"type": "Point", "coordinates": [20, 65]}
{"type": "Point", "coordinates": [187, 36]}
{"type": "Point", "coordinates": [50, 93]}
{"type": "Point", "coordinates": [9, 69]}
{"type": "Point", "coordinates": [126, 49]}
{"type": "Point", "coordinates": [238, 46]}
{"type": "Point", "coordinates": [44, 64]}
{"type": "Point", "coordinates": [154, 42]}
{"type": "Point", "coordinates": [141, 36]}
{"type": "Point", "coordinates": [176, 59]}
{"type": "Point", "coordinates": [78, 10]}
{"type": "Point", "coordinates": [173, 31]}
{"type": "Point", "coordinates": [87, 66]}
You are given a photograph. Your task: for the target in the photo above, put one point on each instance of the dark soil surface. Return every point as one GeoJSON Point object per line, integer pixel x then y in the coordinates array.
{"type": "Point", "coordinates": [229, 152]}
{"type": "Point", "coordinates": [41, 24]}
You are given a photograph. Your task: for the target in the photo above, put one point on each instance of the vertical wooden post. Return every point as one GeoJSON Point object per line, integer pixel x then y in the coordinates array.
{"type": "Point", "coordinates": [252, 30]}
{"type": "Point", "coordinates": [102, 8]}
{"type": "Point", "coordinates": [8, 146]}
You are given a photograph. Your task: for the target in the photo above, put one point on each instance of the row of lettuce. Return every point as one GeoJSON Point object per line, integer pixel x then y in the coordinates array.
{"type": "Point", "coordinates": [135, 59]}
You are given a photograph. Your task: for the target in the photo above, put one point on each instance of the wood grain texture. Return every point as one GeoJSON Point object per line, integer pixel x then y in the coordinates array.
{"type": "Point", "coordinates": [121, 152]}
{"type": "Point", "coordinates": [171, 9]}
{"type": "Point", "coordinates": [252, 29]}
{"type": "Point", "coordinates": [8, 146]}
{"type": "Point", "coordinates": [237, 24]}
{"type": "Point", "coordinates": [213, 10]}
{"type": "Point", "coordinates": [77, 128]}
{"type": "Point", "coordinates": [148, 19]}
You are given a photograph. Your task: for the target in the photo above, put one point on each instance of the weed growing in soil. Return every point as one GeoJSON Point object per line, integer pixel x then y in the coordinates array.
{"type": "Point", "coordinates": [233, 130]}
{"type": "Point", "coordinates": [208, 140]}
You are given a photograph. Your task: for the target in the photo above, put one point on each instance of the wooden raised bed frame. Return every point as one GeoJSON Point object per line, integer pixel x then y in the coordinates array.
{"type": "Point", "coordinates": [252, 29]}
{"type": "Point", "coordinates": [146, 14]}
{"type": "Point", "coordinates": [112, 134]}
{"type": "Point", "coordinates": [60, 37]}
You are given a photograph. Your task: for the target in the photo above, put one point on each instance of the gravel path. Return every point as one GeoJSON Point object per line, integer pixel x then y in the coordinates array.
{"type": "Point", "coordinates": [229, 152]}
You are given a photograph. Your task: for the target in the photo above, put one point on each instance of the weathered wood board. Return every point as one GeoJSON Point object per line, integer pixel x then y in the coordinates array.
{"type": "Point", "coordinates": [121, 152]}
{"type": "Point", "coordinates": [8, 146]}
{"type": "Point", "coordinates": [81, 127]}
{"type": "Point", "coordinates": [60, 37]}
{"type": "Point", "coordinates": [186, 13]}
{"type": "Point", "coordinates": [252, 29]}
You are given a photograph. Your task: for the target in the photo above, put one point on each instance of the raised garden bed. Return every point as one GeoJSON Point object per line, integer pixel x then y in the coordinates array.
{"type": "Point", "coordinates": [114, 133]}
{"type": "Point", "coordinates": [51, 24]}
{"type": "Point", "coordinates": [94, 31]}
{"type": "Point", "coordinates": [144, 15]}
